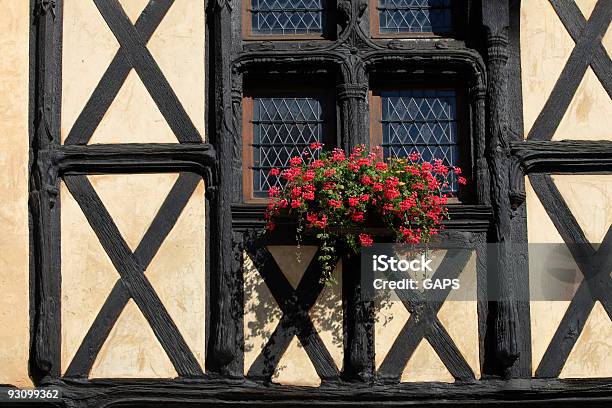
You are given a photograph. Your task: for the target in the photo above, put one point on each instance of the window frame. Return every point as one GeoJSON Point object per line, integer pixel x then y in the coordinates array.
{"type": "Point", "coordinates": [464, 194]}
{"type": "Point", "coordinates": [456, 22]}
{"type": "Point", "coordinates": [328, 26]}
{"type": "Point", "coordinates": [329, 127]}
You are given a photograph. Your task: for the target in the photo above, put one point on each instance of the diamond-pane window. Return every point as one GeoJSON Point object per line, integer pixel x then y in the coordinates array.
{"type": "Point", "coordinates": [421, 120]}
{"type": "Point", "coordinates": [415, 16]}
{"type": "Point", "coordinates": [287, 16]}
{"type": "Point", "coordinates": [282, 128]}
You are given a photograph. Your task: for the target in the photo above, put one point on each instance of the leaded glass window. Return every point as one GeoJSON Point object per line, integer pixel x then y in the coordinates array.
{"type": "Point", "coordinates": [421, 120]}
{"type": "Point", "coordinates": [282, 128]}
{"type": "Point", "coordinates": [415, 16]}
{"type": "Point", "coordinates": [287, 16]}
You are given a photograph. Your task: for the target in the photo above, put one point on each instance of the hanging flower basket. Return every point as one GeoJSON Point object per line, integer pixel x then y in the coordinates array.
{"type": "Point", "coordinates": [335, 197]}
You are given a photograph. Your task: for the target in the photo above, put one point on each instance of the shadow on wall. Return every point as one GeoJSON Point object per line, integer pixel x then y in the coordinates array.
{"type": "Point", "coordinates": [266, 329]}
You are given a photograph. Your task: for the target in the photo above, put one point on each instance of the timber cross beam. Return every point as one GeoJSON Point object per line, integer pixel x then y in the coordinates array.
{"type": "Point", "coordinates": [133, 282]}
{"type": "Point", "coordinates": [424, 323]}
{"type": "Point", "coordinates": [595, 265]}
{"type": "Point", "coordinates": [588, 51]}
{"type": "Point", "coordinates": [295, 305]}
{"type": "Point", "coordinates": [133, 53]}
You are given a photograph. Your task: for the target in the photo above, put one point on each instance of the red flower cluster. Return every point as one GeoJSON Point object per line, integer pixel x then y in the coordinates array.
{"type": "Point", "coordinates": [338, 195]}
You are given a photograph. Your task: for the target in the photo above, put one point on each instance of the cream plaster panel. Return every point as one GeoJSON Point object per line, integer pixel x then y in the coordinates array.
{"type": "Point", "coordinates": [88, 276]}
{"type": "Point", "coordinates": [591, 356]}
{"type": "Point", "coordinates": [545, 47]}
{"type": "Point", "coordinates": [133, 117]}
{"type": "Point", "coordinates": [391, 315]}
{"type": "Point", "coordinates": [88, 46]}
{"type": "Point", "coordinates": [540, 228]}
{"type": "Point", "coordinates": [326, 316]}
{"type": "Point", "coordinates": [133, 8]}
{"type": "Point", "coordinates": [586, 7]}
{"type": "Point", "coordinates": [582, 120]}
{"type": "Point", "coordinates": [460, 316]}
{"type": "Point", "coordinates": [133, 200]}
{"type": "Point", "coordinates": [552, 267]}
{"type": "Point", "coordinates": [261, 313]}
{"type": "Point", "coordinates": [295, 367]}
{"type": "Point", "coordinates": [589, 198]}
{"type": "Point", "coordinates": [178, 48]}
{"type": "Point", "coordinates": [390, 318]}
{"type": "Point", "coordinates": [293, 261]}
{"type": "Point", "coordinates": [545, 318]}
{"type": "Point", "coordinates": [14, 243]}
{"type": "Point", "coordinates": [425, 366]}
{"type": "Point", "coordinates": [132, 350]}
{"type": "Point", "coordinates": [177, 272]}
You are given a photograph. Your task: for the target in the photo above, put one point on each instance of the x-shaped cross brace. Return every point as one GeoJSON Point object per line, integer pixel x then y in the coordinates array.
{"type": "Point", "coordinates": [424, 323]}
{"type": "Point", "coordinates": [295, 305]}
{"type": "Point", "coordinates": [133, 54]}
{"type": "Point", "coordinates": [588, 51]}
{"type": "Point", "coordinates": [595, 265]}
{"type": "Point", "coordinates": [133, 283]}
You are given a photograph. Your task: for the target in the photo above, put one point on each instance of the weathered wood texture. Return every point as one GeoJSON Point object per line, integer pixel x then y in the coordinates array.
{"type": "Point", "coordinates": [488, 72]}
{"type": "Point", "coordinates": [44, 190]}
{"type": "Point", "coordinates": [214, 391]}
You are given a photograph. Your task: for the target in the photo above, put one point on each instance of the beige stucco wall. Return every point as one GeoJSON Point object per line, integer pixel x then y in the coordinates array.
{"type": "Point", "coordinates": [14, 269]}
{"type": "Point", "coordinates": [545, 48]}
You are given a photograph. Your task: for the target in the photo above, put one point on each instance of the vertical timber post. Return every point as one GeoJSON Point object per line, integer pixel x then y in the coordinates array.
{"type": "Point", "coordinates": [224, 340]}
{"type": "Point", "coordinates": [352, 96]}
{"type": "Point", "coordinates": [507, 330]}
{"type": "Point", "coordinates": [44, 191]}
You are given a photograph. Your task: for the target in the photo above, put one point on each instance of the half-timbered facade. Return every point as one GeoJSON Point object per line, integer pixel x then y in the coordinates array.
{"type": "Point", "coordinates": [138, 138]}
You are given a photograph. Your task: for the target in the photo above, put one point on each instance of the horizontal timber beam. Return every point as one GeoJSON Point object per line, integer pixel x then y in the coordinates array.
{"type": "Point", "coordinates": [567, 156]}
{"type": "Point", "coordinates": [91, 159]}
{"type": "Point", "coordinates": [474, 218]}
{"type": "Point", "coordinates": [216, 391]}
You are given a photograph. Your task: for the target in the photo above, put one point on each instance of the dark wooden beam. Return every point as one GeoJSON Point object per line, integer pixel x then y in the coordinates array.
{"type": "Point", "coordinates": [507, 324]}
{"type": "Point", "coordinates": [214, 391]}
{"type": "Point", "coordinates": [566, 156]}
{"type": "Point", "coordinates": [44, 205]}
{"type": "Point", "coordinates": [123, 158]}
{"type": "Point", "coordinates": [226, 310]}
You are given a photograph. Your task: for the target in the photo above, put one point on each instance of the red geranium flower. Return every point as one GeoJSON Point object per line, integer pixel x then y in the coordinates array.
{"type": "Point", "coordinates": [365, 240]}
{"type": "Point", "coordinates": [333, 190]}
{"type": "Point", "coordinates": [353, 201]}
